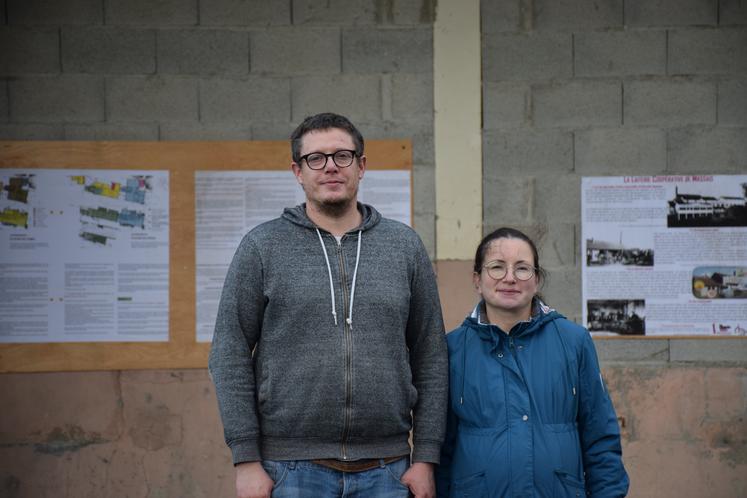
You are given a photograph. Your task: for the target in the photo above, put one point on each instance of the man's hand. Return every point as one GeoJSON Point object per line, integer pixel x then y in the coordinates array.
{"type": "Point", "coordinates": [419, 478]}
{"type": "Point", "coordinates": [252, 481]}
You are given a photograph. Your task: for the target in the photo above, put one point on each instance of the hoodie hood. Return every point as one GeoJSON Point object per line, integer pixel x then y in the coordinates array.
{"type": "Point", "coordinates": [297, 215]}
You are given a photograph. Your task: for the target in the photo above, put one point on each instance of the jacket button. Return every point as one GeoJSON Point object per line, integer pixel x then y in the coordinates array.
{"type": "Point", "coordinates": [525, 418]}
{"type": "Point", "coordinates": [500, 355]}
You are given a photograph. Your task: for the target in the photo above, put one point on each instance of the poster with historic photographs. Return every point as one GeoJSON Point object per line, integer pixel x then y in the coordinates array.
{"type": "Point", "coordinates": [665, 255]}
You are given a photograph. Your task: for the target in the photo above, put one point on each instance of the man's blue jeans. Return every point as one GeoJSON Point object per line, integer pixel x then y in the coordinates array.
{"type": "Point", "coordinates": [304, 479]}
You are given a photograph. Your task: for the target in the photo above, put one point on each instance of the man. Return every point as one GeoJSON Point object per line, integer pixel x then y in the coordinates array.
{"type": "Point", "coordinates": [329, 343]}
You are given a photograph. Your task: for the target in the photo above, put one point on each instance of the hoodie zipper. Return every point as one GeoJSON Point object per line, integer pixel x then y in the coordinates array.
{"type": "Point", "coordinates": [348, 352]}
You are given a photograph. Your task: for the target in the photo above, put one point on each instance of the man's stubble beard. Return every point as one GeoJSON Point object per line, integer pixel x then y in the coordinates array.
{"type": "Point", "coordinates": [339, 207]}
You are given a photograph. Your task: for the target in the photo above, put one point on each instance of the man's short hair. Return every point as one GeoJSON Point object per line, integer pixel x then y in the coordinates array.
{"type": "Point", "coordinates": [324, 121]}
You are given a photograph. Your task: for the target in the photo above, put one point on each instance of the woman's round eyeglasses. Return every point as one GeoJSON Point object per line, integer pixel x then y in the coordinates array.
{"type": "Point", "coordinates": [498, 270]}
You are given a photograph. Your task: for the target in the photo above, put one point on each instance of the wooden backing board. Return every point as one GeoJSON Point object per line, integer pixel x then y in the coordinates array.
{"type": "Point", "coordinates": [181, 159]}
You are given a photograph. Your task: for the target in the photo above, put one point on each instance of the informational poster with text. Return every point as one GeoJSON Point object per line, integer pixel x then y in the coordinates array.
{"type": "Point", "coordinates": [665, 255]}
{"type": "Point", "coordinates": [84, 255]}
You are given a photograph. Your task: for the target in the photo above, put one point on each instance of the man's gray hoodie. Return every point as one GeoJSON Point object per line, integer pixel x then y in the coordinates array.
{"type": "Point", "coordinates": [327, 354]}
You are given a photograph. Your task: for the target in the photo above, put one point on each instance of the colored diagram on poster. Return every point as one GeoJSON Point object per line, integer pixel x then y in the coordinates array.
{"type": "Point", "coordinates": [101, 224]}
{"type": "Point", "coordinates": [14, 196]}
{"type": "Point", "coordinates": [84, 255]}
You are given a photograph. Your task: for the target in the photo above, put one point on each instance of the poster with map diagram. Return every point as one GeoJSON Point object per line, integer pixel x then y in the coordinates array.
{"type": "Point", "coordinates": [84, 255]}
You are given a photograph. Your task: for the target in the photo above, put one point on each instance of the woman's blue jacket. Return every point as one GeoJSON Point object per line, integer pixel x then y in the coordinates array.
{"type": "Point", "coordinates": [529, 414]}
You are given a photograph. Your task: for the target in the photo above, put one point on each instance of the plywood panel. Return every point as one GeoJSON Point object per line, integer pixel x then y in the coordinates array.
{"type": "Point", "coordinates": [181, 159]}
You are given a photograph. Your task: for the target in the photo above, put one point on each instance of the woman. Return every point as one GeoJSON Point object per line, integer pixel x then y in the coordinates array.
{"type": "Point", "coordinates": [529, 415]}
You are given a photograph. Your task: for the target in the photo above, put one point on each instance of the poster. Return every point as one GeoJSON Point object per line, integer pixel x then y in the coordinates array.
{"type": "Point", "coordinates": [665, 255]}
{"type": "Point", "coordinates": [230, 203]}
{"type": "Point", "coordinates": [84, 255]}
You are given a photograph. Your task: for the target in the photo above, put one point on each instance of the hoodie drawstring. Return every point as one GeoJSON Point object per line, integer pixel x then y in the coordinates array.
{"type": "Point", "coordinates": [349, 319]}
{"type": "Point", "coordinates": [355, 275]}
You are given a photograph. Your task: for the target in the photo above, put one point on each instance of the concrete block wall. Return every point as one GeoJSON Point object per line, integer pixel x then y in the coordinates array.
{"type": "Point", "coordinates": [219, 70]}
{"type": "Point", "coordinates": [575, 88]}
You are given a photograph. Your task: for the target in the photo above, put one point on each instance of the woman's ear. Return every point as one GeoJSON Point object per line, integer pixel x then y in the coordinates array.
{"type": "Point", "coordinates": [476, 281]}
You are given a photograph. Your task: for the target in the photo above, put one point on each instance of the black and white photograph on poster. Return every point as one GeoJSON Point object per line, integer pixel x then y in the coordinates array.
{"type": "Point", "coordinates": [616, 316]}
{"type": "Point", "coordinates": [708, 204]}
{"type": "Point", "coordinates": [600, 252]}
{"type": "Point", "coordinates": [720, 282]}
{"type": "Point", "coordinates": [676, 242]}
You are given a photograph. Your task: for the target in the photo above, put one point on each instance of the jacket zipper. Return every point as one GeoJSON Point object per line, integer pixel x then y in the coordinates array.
{"type": "Point", "coordinates": [348, 356]}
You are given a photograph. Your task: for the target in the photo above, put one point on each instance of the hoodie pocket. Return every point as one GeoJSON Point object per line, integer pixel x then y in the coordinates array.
{"type": "Point", "coordinates": [568, 485]}
{"type": "Point", "coordinates": [472, 486]}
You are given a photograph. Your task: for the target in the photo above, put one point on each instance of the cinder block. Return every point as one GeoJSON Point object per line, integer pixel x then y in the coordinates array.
{"type": "Point", "coordinates": [245, 13]}
{"type": "Point", "coordinates": [527, 151]}
{"type": "Point", "coordinates": [419, 131]}
{"type": "Point", "coordinates": [423, 188]}
{"type": "Point", "coordinates": [272, 130]}
{"type": "Point", "coordinates": [708, 150]}
{"type": "Point", "coordinates": [407, 12]}
{"type": "Point", "coordinates": [558, 246]}
{"type": "Point", "coordinates": [387, 50]}
{"type": "Point", "coordinates": [290, 51]}
{"type": "Point", "coordinates": [109, 131]}
{"type": "Point", "coordinates": [578, 103]}
{"type": "Point", "coordinates": [203, 51]}
{"type": "Point", "coordinates": [732, 102]}
{"type": "Point", "coordinates": [709, 351]}
{"type": "Point", "coordinates": [537, 56]}
{"type": "Point", "coordinates": [149, 13]}
{"type": "Point", "coordinates": [4, 106]}
{"type": "Point", "coordinates": [36, 12]}
{"type": "Point", "coordinates": [732, 12]}
{"type": "Point", "coordinates": [620, 151]}
{"type": "Point", "coordinates": [708, 51]}
{"type": "Point", "coordinates": [646, 351]}
{"type": "Point", "coordinates": [29, 50]}
{"type": "Point", "coordinates": [424, 224]}
{"type": "Point", "coordinates": [412, 96]}
{"type": "Point", "coordinates": [31, 131]}
{"type": "Point", "coordinates": [357, 97]}
{"type": "Point", "coordinates": [671, 12]}
{"type": "Point", "coordinates": [424, 202]}
{"type": "Point", "coordinates": [335, 12]}
{"type": "Point", "coordinates": [108, 50]}
{"type": "Point", "coordinates": [557, 199]}
{"type": "Point", "coordinates": [562, 291]}
{"type": "Point", "coordinates": [152, 99]}
{"type": "Point", "coordinates": [505, 105]}
{"type": "Point", "coordinates": [501, 16]}
{"type": "Point", "coordinates": [189, 130]}
{"type": "Point", "coordinates": [243, 101]}
{"type": "Point", "coordinates": [69, 98]}
{"type": "Point", "coordinates": [620, 53]}
{"type": "Point", "coordinates": [507, 201]}
{"type": "Point", "coordinates": [669, 103]}
{"type": "Point", "coordinates": [577, 14]}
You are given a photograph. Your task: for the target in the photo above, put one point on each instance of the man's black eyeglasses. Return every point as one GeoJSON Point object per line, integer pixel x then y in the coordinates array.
{"type": "Point", "coordinates": [317, 160]}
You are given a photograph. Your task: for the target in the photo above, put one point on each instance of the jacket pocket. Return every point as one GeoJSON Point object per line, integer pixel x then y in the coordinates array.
{"type": "Point", "coordinates": [568, 485]}
{"type": "Point", "coordinates": [472, 486]}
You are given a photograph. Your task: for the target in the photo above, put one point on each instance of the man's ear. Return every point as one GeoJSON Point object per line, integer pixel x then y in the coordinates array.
{"type": "Point", "coordinates": [361, 166]}
{"type": "Point", "coordinates": [297, 172]}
